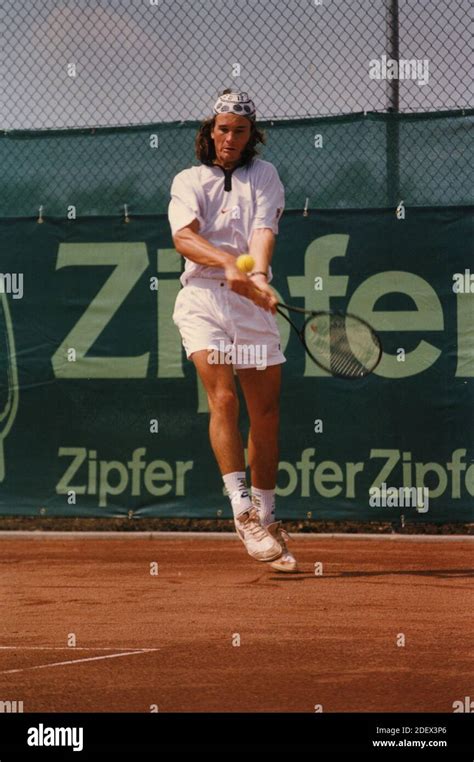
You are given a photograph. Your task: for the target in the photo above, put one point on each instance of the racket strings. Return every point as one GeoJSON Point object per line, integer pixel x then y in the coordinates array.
{"type": "Point", "coordinates": [344, 345]}
{"type": "Point", "coordinates": [343, 360]}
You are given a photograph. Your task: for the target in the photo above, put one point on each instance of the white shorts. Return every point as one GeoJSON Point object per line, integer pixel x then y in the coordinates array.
{"type": "Point", "coordinates": [209, 315]}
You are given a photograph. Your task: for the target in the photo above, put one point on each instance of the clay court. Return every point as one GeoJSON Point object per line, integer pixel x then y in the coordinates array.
{"type": "Point", "coordinates": [169, 639]}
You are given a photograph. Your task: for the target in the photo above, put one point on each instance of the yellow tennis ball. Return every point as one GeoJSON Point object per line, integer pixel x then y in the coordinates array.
{"type": "Point", "coordinates": [245, 263]}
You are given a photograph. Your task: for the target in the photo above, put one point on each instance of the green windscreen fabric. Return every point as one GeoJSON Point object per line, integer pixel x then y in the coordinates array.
{"type": "Point", "coordinates": [360, 161]}
{"type": "Point", "coordinates": [102, 415]}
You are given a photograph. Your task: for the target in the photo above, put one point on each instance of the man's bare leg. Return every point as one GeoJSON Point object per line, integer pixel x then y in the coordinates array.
{"type": "Point", "coordinates": [224, 434]}
{"type": "Point", "coordinates": [261, 390]}
{"type": "Point", "coordinates": [226, 443]}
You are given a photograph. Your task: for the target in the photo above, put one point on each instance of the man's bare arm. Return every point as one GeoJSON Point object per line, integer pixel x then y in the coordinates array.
{"type": "Point", "coordinates": [190, 244]}
{"type": "Point", "coordinates": [261, 248]}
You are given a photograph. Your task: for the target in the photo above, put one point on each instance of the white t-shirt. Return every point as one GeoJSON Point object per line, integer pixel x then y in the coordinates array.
{"type": "Point", "coordinates": [227, 219]}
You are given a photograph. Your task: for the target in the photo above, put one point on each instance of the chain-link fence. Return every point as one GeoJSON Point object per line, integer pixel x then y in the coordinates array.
{"type": "Point", "coordinates": [82, 63]}
{"type": "Point", "coordinates": [98, 63]}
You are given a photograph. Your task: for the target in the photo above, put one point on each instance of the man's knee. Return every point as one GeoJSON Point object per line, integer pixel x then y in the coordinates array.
{"type": "Point", "coordinates": [266, 414]}
{"type": "Point", "coordinates": [223, 401]}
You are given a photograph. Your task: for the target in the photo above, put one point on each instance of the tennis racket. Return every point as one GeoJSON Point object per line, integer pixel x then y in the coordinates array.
{"type": "Point", "coordinates": [340, 343]}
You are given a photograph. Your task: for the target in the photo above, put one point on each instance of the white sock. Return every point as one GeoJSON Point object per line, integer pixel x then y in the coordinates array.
{"type": "Point", "coordinates": [236, 486]}
{"type": "Point", "coordinates": [264, 502]}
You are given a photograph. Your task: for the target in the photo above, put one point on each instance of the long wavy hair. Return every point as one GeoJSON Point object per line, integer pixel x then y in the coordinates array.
{"type": "Point", "coordinates": [204, 144]}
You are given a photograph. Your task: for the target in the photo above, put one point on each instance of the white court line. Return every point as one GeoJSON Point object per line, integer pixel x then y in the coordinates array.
{"type": "Point", "coordinates": [76, 661]}
{"type": "Point", "coordinates": [64, 648]}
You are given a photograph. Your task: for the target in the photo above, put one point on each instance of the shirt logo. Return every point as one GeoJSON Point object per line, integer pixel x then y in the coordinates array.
{"type": "Point", "coordinates": [235, 212]}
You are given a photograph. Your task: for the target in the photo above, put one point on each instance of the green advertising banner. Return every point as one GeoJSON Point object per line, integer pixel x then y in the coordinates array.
{"type": "Point", "coordinates": [102, 415]}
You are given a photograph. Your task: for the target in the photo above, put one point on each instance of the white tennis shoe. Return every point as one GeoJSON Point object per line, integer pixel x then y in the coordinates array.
{"type": "Point", "coordinates": [287, 562]}
{"type": "Point", "coordinates": [259, 542]}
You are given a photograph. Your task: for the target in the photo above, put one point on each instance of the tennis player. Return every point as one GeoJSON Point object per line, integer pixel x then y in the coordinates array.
{"type": "Point", "coordinates": [230, 205]}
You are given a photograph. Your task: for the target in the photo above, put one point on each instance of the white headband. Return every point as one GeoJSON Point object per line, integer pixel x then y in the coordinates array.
{"type": "Point", "coordinates": [235, 103]}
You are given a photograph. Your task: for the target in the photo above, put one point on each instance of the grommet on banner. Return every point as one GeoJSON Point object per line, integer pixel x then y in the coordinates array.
{"type": "Point", "coordinates": [305, 210]}
{"type": "Point", "coordinates": [40, 215]}
{"type": "Point", "coordinates": [126, 217]}
{"type": "Point", "coordinates": [400, 211]}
